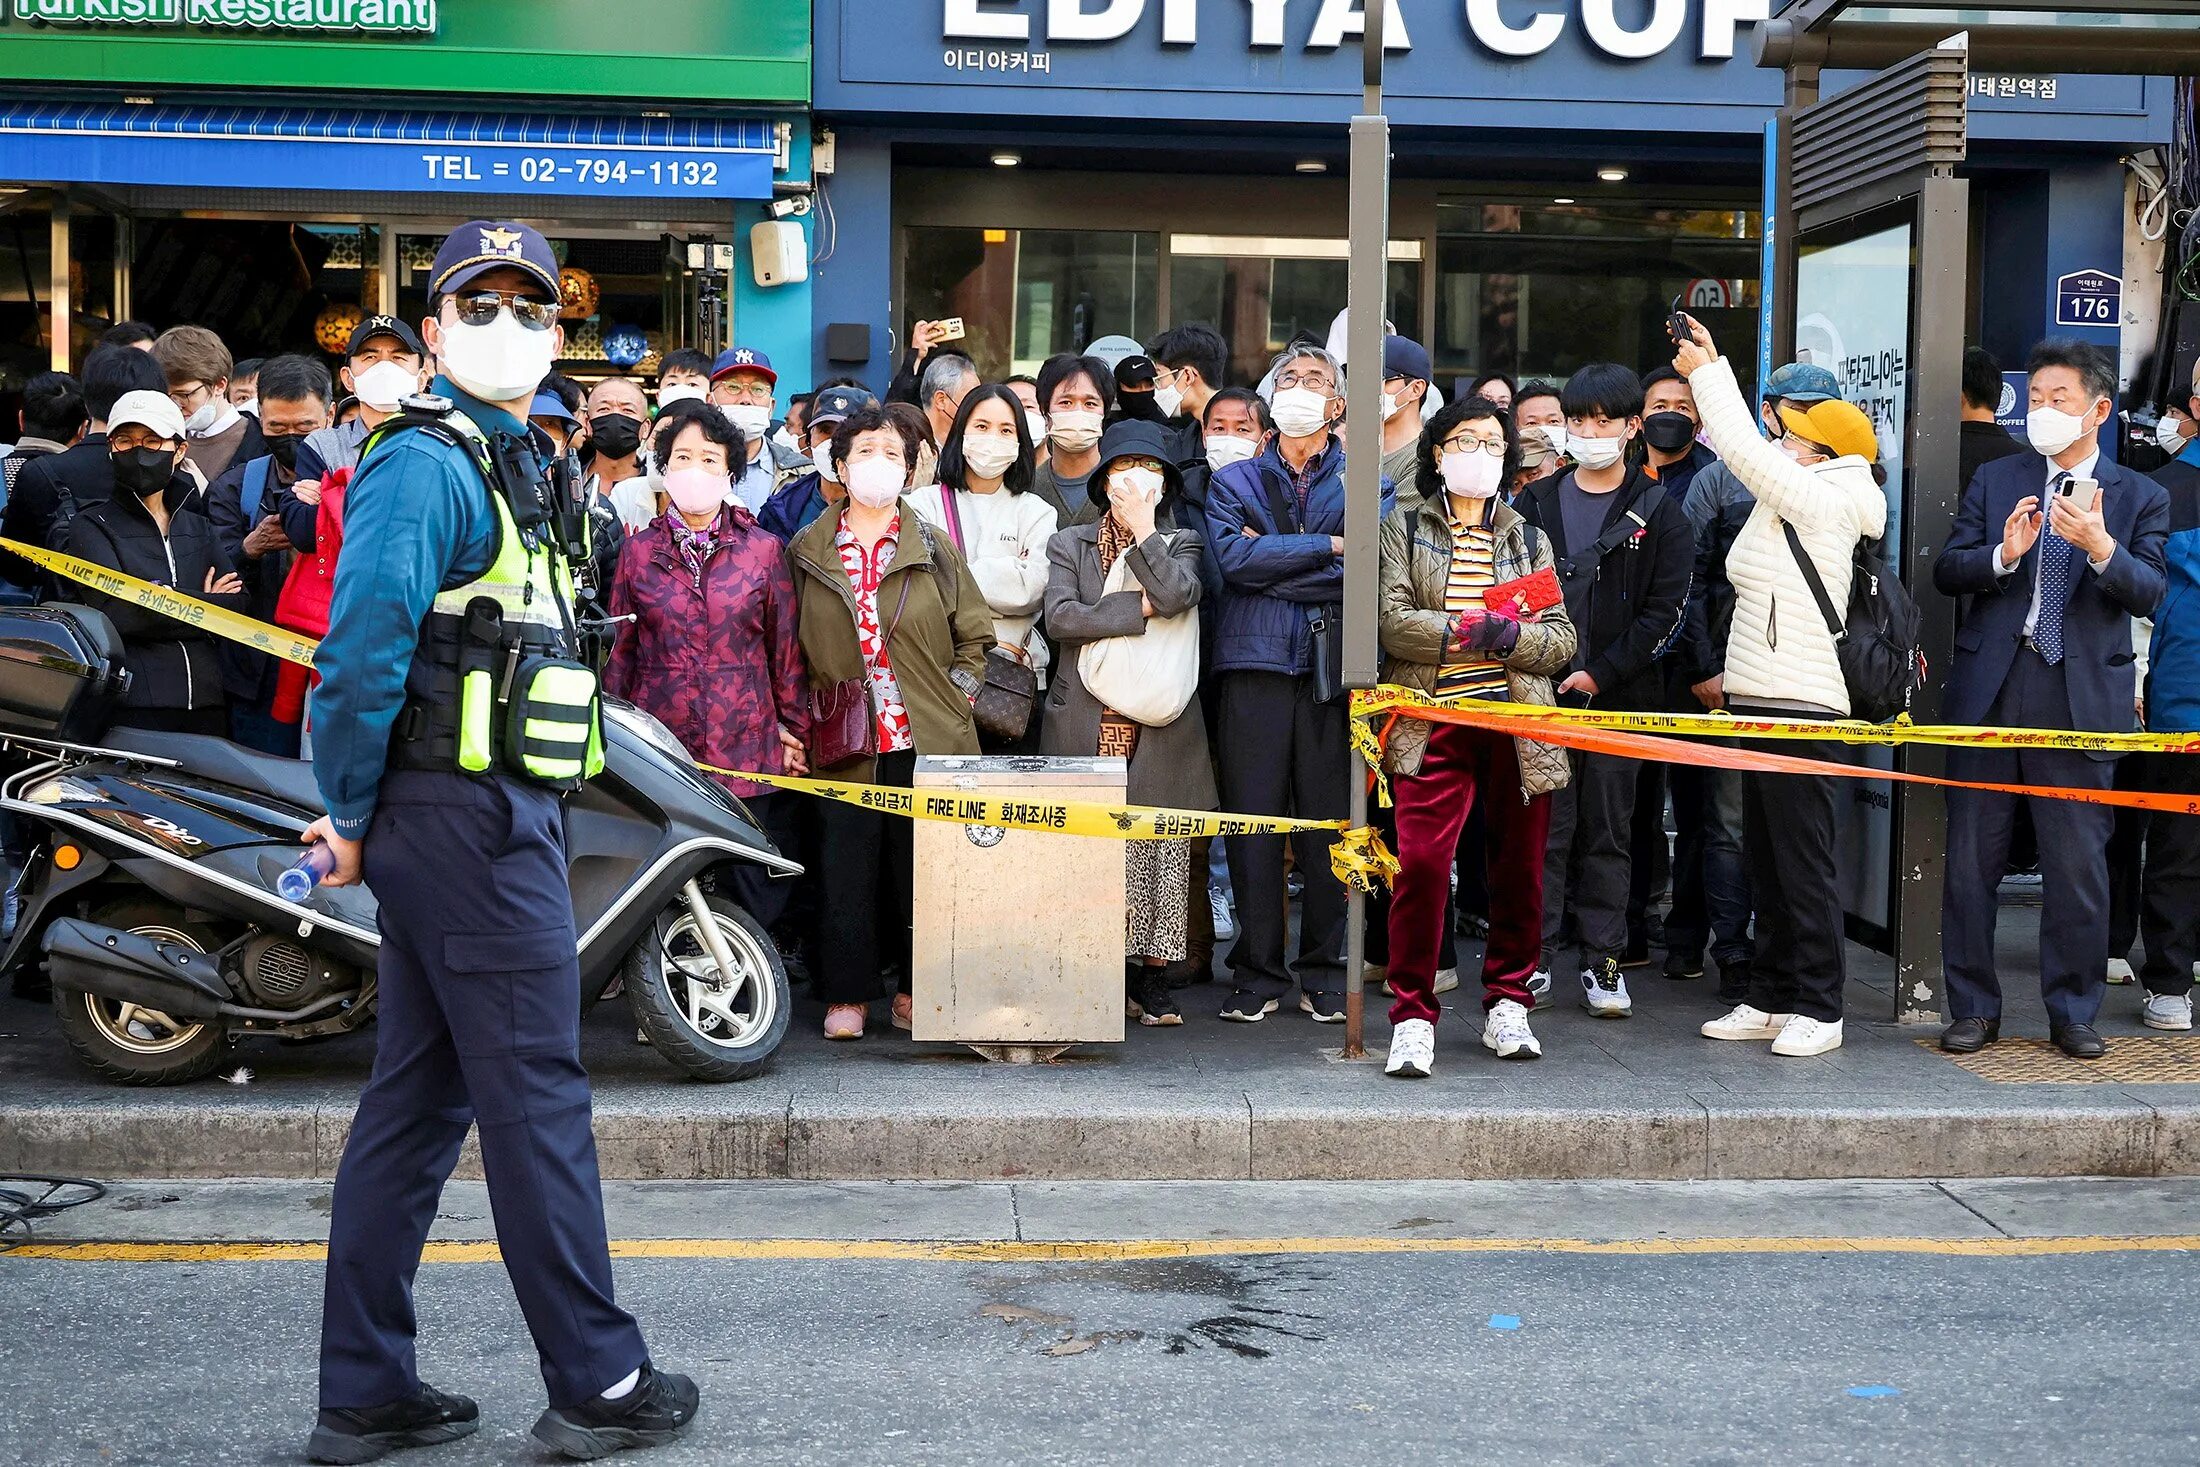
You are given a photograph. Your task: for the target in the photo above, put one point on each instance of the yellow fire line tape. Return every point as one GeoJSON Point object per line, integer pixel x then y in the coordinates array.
{"type": "Point", "coordinates": [1055, 817]}
{"type": "Point", "coordinates": [800, 1250]}
{"type": "Point", "coordinates": [1393, 699]}
{"type": "Point", "coordinates": [243, 630]}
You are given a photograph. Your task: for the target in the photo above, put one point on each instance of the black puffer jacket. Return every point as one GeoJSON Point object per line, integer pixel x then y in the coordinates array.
{"type": "Point", "coordinates": [172, 663]}
{"type": "Point", "coordinates": [1629, 608]}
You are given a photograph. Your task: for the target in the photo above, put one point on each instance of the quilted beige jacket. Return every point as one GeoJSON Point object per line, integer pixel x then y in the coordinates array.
{"type": "Point", "coordinates": [1417, 635]}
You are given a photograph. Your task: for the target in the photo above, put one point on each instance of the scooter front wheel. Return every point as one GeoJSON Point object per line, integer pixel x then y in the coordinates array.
{"type": "Point", "coordinates": [132, 1044]}
{"type": "Point", "coordinates": [715, 1022]}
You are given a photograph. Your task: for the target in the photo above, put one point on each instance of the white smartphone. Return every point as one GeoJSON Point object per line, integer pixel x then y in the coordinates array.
{"type": "Point", "coordinates": [2083, 493]}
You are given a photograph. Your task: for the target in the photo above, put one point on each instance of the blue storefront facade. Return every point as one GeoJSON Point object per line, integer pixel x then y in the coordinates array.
{"type": "Point", "coordinates": [1054, 171]}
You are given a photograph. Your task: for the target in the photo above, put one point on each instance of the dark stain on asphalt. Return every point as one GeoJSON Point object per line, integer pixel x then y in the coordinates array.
{"type": "Point", "coordinates": [1406, 1224]}
{"type": "Point", "coordinates": [1054, 1307]}
{"type": "Point", "coordinates": [144, 1201]}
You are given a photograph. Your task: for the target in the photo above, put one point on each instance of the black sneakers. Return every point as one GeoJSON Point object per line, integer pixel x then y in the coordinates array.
{"type": "Point", "coordinates": [658, 1409]}
{"type": "Point", "coordinates": [1151, 1002]}
{"type": "Point", "coordinates": [420, 1420]}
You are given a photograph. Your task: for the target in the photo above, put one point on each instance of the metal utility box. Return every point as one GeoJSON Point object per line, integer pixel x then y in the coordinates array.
{"type": "Point", "coordinates": [1019, 933]}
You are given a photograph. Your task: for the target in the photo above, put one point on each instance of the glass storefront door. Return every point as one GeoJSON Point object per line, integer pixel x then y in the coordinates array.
{"type": "Point", "coordinates": [1026, 294]}
{"type": "Point", "coordinates": [1262, 293]}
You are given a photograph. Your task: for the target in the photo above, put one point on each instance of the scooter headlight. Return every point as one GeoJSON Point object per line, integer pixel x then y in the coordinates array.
{"type": "Point", "coordinates": [648, 729]}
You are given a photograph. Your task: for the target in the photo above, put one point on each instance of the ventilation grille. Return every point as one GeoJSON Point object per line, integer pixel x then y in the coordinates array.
{"type": "Point", "coordinates": [1909, 116]}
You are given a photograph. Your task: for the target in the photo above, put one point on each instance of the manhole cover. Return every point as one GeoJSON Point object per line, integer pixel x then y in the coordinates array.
{"type": "Point", "coordinates": [2166, 1060]}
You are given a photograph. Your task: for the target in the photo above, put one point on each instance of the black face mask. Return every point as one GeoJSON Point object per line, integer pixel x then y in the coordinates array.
{"type": "Point", "coordinates": [1668, 432]}
{"type": "Point", "coordinates": [284, 446]}
{"type": "Point", "coordinates": [613, 435]}
{"type": "Point", "coordinates": [142, 472]}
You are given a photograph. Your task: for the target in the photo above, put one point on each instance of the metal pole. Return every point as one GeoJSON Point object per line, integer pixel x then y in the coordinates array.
{"type": "Point", "coordinates": [1369, 232]}
{"type": "Point", "coordinates": [58, 297]}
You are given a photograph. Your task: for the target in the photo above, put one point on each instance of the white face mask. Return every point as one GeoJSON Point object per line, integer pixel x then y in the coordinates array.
{"type": "Point", "coordinates": [203, 417]}
{"type": "Point", "coordinates": [1035, 423]}
{"type": "Point", "coordinates": [1300, 412]}
{"type": "Point", "coordinates": [1594, 453]}
{"type": "Point", "coordinates": [1392, 406]}
{"type": "Point", "coordinates": [822, 455]}
{"type": "Point", "coordinates": [500, 361]}
{"type": "Point", "coordinates": [1225, 449]}
{"type": "Point", "coordinates": [784, 442]}
{"type": "Point", "coordinates": [250, 405]}
{"type": "Point", "coordinates": [875, 482]}
{"type": "Point", "coordinates": [2051, 430]}
{"type": "Point", "coordinates": [1169, 398]}
{"type": "Point", "coordinates": [988, 455]}
{"type": "Point", "coordinates": [1075, 432]}
{"type": "Point", "coordinates": [1471, 475]}
{"type": "Point", "coordinates": [1137, 483]}
{"type": "Point", "coordinates": [673, 392]}
{"type": "Point", "coordinates": [384, 385]}
{"type": "Point", "coordinates": [2168, 435]}
{"type": "Point", "coordinates": [754, 422]}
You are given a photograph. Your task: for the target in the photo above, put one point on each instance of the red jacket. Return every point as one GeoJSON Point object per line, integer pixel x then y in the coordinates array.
{"type": "Point", "coordinates": [303, 604]}
{"type": "Point", "coordinates": [715, 658]}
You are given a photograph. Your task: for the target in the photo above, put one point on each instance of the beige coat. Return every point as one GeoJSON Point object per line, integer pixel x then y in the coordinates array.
{"type": "Point", "coordinates": [1417, 635]}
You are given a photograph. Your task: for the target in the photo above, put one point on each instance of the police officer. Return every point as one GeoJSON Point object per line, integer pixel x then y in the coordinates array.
{"type": "Point", "coordinates": [451, 623]}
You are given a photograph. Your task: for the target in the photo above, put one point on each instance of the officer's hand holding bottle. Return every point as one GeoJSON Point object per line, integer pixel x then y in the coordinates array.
{"type": "Point", "coordinates": [346, 871]}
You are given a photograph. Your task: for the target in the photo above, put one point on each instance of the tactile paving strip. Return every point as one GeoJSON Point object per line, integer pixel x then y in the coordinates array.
{"type": "Point", "coordinates": [2163, 1060]}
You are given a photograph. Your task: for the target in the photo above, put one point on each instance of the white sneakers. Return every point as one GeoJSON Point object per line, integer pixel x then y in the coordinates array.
{"type": "Point", "coordinates": [1378, 978]}
{"type": "Point", "coordinates": [2119, 970]}
{"type": "Point", "coordinates": [1539, 987]}
{"type": "Point", "coordinates": [1744, 1022]}
{"type": "Point", "coordinates": [1604, 992]}
{"type": "Point", "coordinates": [1803, 1036]}
{"type": "Point", "coordinates": [1447, 979]}
{"type": "Point", "coordinates": [1412, 1050]}
{"type": "Point", "coordinates": [1507, 1033]}
{"type": "Point", "coordinates": [2167, 1011]}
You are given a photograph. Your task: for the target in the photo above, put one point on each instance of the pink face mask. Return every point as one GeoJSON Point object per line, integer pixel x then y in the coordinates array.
{"type": "Point", "coordinates": [697, 491]}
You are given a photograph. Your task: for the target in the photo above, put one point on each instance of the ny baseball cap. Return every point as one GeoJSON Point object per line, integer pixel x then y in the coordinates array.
{"type": "Point", "coordinates": [1803, 382]}
{"type": "Point", "coordinates": [154, 410]}
{"type": "Point", "coordinates": [473, 250]}
{"type": "Point", "coordinates": [743, 359]}
{"type": "Point", "coordinates": [838, 404]}
{"type": "Point", "coordinates": [1405, 358]}
{"type": "Point", "coordinates": [375, 326]}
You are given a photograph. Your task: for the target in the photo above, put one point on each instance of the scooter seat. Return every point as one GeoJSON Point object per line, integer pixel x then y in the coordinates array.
{"type": "Point", "coordinates": [288, 780]}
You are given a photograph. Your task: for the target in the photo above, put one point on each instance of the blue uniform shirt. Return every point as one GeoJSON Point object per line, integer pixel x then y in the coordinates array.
{"type": "Point", "coordinates": [417, 521]}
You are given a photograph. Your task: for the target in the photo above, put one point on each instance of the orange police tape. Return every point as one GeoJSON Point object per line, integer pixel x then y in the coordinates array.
{"type": "Point", "coordinates": [1753, 761]}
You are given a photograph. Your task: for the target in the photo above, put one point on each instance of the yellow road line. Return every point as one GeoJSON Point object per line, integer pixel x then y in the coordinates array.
{"type": "Point", "coordinates": [795, 1250]}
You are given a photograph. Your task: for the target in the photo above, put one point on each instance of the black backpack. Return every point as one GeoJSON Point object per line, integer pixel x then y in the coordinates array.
{"type": "Point", "coordinates": [1878, 641]}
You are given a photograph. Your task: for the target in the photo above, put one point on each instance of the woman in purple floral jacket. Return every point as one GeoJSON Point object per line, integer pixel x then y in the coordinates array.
{"type": "Point", "coordinates": [712, 650]}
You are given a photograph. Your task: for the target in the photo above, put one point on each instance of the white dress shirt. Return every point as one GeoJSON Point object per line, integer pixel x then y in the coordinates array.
{"type": "Point", "coordinates": [2002, 568]}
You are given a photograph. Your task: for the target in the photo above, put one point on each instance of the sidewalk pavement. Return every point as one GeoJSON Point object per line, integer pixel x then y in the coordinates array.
{"type": "Point", "coordinates": [1639, 1099]}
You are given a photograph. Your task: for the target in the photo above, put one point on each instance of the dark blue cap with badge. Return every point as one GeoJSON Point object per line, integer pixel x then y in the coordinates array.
{"type": "Point", "coordinates": [1803, 382]}
{"type": "Point", "coordinates": [838, 404]}
{"type": "Point", "coordinates": [474, 249]}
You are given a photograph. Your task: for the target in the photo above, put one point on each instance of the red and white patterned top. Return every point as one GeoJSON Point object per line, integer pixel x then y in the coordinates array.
{"type": "Point", "coordinates": [866, 571]}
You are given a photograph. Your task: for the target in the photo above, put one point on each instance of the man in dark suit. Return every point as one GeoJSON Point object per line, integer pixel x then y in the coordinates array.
{"type": "Point", "coordinates": [2055, 575]}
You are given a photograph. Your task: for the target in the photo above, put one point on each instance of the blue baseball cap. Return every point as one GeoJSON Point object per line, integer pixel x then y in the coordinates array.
{"type": "Point", "coordinates": [838, 404]}
{"type": "Point", "coordinates": [550, 405]}
{"type": "Point", "coordinates": [743, 359]}
{"type": "Point", "coordinates": [1803, 382]}
{"type": "Point", "coordinates": [1405, 358]}
{"type": "Point", "coordinates": [473, 250]}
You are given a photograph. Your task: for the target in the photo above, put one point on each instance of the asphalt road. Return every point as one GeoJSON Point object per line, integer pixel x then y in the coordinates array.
{"type": "Point", "coordinates": [1911, 1351]}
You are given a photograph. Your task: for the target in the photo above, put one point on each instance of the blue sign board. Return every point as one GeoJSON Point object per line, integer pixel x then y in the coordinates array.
{"type": "Point", "coordinates": [2089, 298]}
{"type": "Point", "coordinates": [385, 152]}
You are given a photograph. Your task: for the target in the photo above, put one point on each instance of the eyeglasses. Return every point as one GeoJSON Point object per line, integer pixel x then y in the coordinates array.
{"type": "Point", "coordinates": [182, 396]}
{"type": "Point", "coordinates": [1318, 381]}
{"type": "Point", "coordinates": [1495, 447]}
{"type": "Point", "coordinates": [1804, 445]}
{"type": "Point", "coordinates": [479, 308]}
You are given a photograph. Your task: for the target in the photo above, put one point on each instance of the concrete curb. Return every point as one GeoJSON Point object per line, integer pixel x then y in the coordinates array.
{"type": "Point", "coordinates": [837, 1137]}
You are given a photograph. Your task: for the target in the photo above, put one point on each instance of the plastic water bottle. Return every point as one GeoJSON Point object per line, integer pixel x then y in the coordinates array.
{"type": "Point", "coordinates": [297, 883]}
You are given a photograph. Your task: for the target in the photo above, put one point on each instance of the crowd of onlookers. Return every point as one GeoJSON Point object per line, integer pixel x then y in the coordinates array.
{"type": "Point", "coordinates": [1124, 554]}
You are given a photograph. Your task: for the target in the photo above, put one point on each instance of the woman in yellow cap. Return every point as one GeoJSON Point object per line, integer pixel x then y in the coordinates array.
{"type": "Point", "coordinates": [1819, 491]}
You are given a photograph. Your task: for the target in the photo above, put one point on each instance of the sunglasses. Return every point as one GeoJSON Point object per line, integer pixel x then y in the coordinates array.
{"type": "Point", "coordinates": [479, 308]}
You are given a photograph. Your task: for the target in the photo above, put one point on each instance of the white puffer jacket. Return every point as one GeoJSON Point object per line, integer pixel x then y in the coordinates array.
{"type": "Point", "coordinates": [1779, 647]}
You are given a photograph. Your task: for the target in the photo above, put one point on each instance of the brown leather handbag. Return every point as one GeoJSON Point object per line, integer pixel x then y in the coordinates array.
{"type": "Point", "coordinates": [1010, 690]}
{"type": "Point", "coordinates": [843, 726]}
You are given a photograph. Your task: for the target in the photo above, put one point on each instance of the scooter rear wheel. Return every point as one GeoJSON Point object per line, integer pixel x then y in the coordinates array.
{"type": "Point", "coordinates": [713, 1029]}
{"type": "Point", "coordinates": [128, 1043]}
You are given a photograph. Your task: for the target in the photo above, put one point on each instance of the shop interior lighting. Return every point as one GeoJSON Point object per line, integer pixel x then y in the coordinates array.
{"type": "Point", "coordinates": [1272, 247]}
{"type": "Point", "coordinates": [1312, 165]}
{"type": "Point", "coordinates": [138, 101]}
{"type": "Point", "coordinates": [1562, 201]}
{"type": "Point", "coordinates": [1612, 175]}
{"type": "Point", "coordinates": [1007, 160]}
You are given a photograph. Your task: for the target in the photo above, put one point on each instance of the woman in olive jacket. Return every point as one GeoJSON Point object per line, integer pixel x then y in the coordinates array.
{"type": "Point", "coordinates": [881, 599]}
{"type": "Point", "coordinates": [1439, 638]}
{"type": "Point", "coordinates": [1136, 488]}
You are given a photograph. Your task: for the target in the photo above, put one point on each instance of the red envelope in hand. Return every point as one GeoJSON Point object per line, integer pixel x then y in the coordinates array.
{"type": "Point", "coordinates": [1526, 598]}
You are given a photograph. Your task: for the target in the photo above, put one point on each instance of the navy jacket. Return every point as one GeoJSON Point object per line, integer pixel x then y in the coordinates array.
{"type": "Point", "coordinates": [1274, 580]}
{"type": "Point", "coordinates": [2097, 656]}
{"type": "Point", "coordinates": [2173, 661]}
{"type": "Point", "coordinates": [792, 506]}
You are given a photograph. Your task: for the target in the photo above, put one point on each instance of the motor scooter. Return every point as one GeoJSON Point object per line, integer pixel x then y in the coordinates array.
{"type": "Point", "coordinates": [150, 884]}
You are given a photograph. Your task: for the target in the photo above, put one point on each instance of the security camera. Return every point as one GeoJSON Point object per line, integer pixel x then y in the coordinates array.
{"type": "Point", "coordinates": [790, 208]}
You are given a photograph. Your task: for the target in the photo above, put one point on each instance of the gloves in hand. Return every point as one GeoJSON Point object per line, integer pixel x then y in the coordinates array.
{"type": "Point", "coordinates": [1488, 636]}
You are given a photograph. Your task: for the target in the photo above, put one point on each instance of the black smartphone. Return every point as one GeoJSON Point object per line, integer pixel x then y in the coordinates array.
{"type": "Point", "coordinates": [1676, 325]}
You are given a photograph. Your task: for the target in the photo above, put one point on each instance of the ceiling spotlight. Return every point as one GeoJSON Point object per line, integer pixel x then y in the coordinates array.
{"type": "Point", "coordinates": [1562, 201]}
{"type": "Point", "coordinates": [1312, 165]}
{"type": "Point", "coordinates": [1612, 175]}
{"type": "Point", "coordinates": [1007, 160]}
